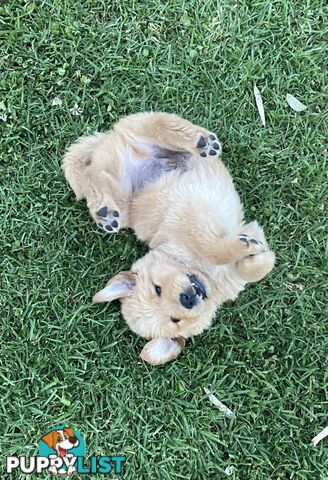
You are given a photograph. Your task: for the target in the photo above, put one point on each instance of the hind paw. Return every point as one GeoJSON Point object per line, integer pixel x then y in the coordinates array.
{"type": "Point", "coordinates": [209, 145]}
{"type": "Point", "coordinates": [108, 220]}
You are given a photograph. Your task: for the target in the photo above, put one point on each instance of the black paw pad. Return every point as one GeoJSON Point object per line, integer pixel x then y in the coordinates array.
{"type": "Point", "coordinates": [102, 212]}
{"type": "Point", "coordinates": [256, 242]}
{"type": "Point", "coordinates": [203, 154]}
{"type": "Point", "coordinates": [253, 246]}
{"type": "Point", "coordinates": [114, 224]}
{"type": "Point", "coordinates": [244, 240]}
{"type": "Point", "coordinates": [201, 142]}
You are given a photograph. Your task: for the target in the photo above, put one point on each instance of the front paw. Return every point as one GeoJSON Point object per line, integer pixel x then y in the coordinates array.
{"type": "Point", "coordinates": [255, 267]}
{"type": "Point", "coordinates": [252, 246]}
{"type": "Point", "coordinates": [209, 145]}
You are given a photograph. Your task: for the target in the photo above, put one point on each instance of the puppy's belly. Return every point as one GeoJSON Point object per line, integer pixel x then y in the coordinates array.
{"type": "Point", "coordinates": [202, 199]}
{"type": "Point", "coordinates": [161, 161]}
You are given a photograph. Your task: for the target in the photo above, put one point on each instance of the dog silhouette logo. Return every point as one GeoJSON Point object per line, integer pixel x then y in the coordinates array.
{"type": "Point", "coordinates": [62, 445]}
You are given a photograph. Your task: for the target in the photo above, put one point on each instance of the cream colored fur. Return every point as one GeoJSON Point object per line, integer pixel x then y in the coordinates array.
{"type": "Point", "coordinates": [147, 174]}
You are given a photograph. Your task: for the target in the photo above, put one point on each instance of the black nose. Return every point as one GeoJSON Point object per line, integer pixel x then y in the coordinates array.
{"type": "Point", "coordinates": [188, 299]}
{"type": "Point", "coordinates": [72, 439]}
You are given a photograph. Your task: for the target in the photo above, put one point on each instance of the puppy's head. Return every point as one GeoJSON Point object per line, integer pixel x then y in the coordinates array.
{"type": "Point", "coordinates": [161, 298]}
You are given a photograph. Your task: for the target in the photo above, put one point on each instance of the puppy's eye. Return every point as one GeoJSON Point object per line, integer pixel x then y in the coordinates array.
{"type": "Point", "coordinates": [158, 290]}
{"type": "Point", "coordinates": [175, 320]}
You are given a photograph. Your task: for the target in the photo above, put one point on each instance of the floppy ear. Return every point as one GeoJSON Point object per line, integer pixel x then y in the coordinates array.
{"type": "Point", "coordinates": [162, 350]}
{"type": "Point", "coordinates": [69, 432]}
{"type": "Point", "coordinates": [50, 439]}
{"type": "Point", "coordinates": [119, 286]}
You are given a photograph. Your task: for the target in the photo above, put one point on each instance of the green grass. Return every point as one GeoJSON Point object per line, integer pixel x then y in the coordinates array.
{"type": "Point", "coordinates": [64, 360]}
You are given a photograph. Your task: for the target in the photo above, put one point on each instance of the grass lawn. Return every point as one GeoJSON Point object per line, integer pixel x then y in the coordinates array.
{"type": "Point", "coordinates": [66, 361]}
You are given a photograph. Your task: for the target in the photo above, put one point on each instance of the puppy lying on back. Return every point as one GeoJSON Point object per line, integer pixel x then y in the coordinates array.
{"type": "Point", "coordinates": [162, 176]}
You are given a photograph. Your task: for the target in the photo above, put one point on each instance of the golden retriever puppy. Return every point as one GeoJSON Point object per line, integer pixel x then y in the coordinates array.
{"type": "Point", "coordinates": [162, 176]}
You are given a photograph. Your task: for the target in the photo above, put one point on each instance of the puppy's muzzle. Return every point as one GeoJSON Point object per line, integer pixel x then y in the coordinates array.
{"type": "Point", "coordinates": [196, 292]}
{"type": "Point", "coordinates": [189, 298]}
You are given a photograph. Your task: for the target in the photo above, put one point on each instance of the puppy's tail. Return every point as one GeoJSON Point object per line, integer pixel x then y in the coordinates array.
{"type": "Point", "coordinates": [77, 158]}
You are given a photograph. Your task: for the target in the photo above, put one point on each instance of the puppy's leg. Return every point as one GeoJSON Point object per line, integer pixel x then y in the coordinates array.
{"type": "Point", "coordinates": [227, 250]}
{"type": "Point", "coordinates": [100, 188]}
{"type": "Point", "coordinates": [87, 164]}
{"type": "Point", "coordinates": [249, 254]}
{"type": "Point", "coordinates": [170, 131]}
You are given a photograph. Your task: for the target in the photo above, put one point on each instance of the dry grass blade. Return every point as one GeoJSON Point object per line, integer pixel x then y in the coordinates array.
{"type": "Point", "coordinates": [223, 408]}
{"type": "Point", "coordinates": [323, 434]}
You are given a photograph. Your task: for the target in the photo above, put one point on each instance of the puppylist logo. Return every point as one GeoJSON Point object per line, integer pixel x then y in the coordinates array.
{"type": "Point", "coordinates": [62, 451]}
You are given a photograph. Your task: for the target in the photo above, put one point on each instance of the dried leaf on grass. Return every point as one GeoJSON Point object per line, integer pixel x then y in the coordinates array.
{"type": "Point", "coordinates": [295, 104]}
{"type": "Point", "coordinates": [259, 104]}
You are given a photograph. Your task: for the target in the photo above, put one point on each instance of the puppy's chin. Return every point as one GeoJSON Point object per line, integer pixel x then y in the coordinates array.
{"type": "Point", "coordinates": [152, 323]}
